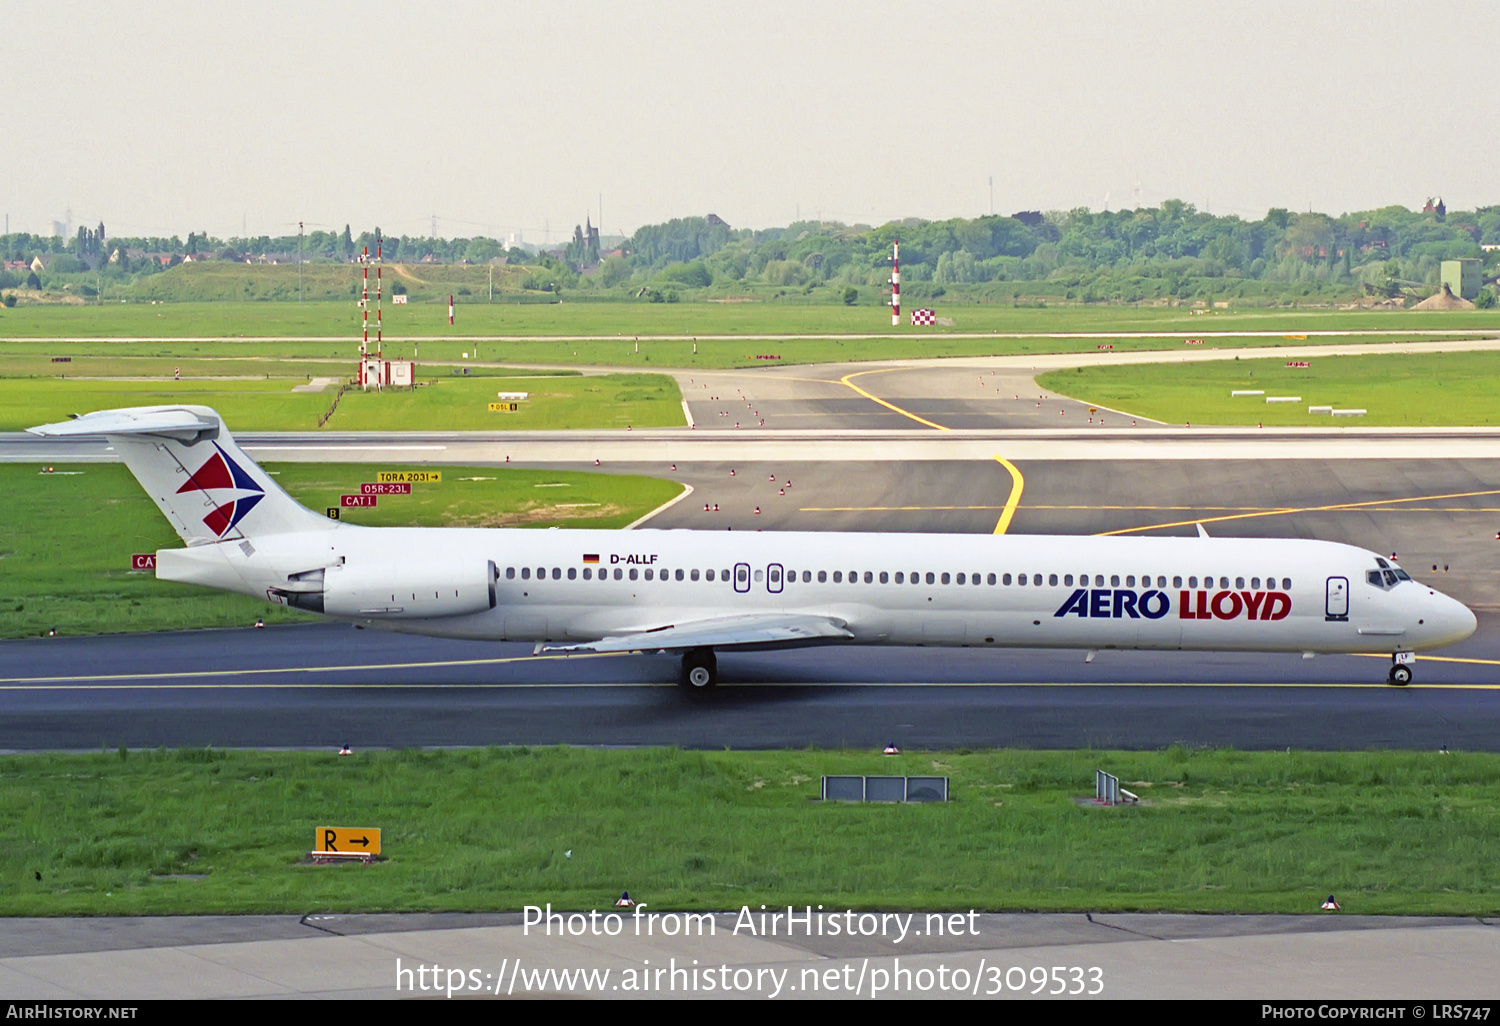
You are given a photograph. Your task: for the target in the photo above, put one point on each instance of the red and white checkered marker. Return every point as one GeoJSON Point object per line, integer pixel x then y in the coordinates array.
{"type": "Point", "coordinates": [1330, 904]}
{"type": "Point", "coordinates": [923, 317]}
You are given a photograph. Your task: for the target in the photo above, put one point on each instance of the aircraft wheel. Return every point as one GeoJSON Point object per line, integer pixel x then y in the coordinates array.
{"type": "Point", "coordinates": [700, 670]}
{"type": "Point", "coordinates": [1400, 676]}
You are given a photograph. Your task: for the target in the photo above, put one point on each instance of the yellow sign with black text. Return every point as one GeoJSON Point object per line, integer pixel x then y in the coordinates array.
{"type": "Point", "coordinates": [502, 407]}
{"type": "Point", "coordinates": [347, 840]}
{"type": "Point", "coordinates": [409, 476]}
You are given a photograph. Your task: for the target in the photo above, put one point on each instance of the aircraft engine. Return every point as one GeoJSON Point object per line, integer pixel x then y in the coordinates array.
{"type": "Point", "coordinates": [403, 592]}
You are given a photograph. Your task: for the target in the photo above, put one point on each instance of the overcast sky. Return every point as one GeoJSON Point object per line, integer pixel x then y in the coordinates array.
{"type": "Point", "coordinates": [168, 117]}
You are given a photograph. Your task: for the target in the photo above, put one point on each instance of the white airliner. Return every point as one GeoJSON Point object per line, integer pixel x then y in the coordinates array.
{"type": "Point", "coordinates": [691, 592]}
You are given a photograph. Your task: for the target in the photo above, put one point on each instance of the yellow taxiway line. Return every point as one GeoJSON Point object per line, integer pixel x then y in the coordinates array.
{"type": "Point", "coordinates": [1017, 482]}
{"type": "Point", "coordinates": [1372, 505]}
{"type": "Point", "coordinates": [99, 679]}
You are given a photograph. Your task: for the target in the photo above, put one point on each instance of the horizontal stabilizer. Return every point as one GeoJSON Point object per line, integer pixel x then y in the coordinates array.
{"type": "Point", "coordinates": [721, 632]}
{"type": "Point", "coordinates": [175, 422]}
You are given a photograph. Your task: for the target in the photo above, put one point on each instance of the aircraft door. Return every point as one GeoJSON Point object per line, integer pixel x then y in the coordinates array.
{"type": "Point", "coordinates": [742, 577]}
{"type": "Point", "coordinates": [773, 578]}
{"type": "Point", "coordinates": [1337, 607]}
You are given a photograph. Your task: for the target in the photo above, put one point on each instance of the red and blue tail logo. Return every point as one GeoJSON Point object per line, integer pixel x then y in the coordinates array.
{"type": "Point", "coordinates": [221, 474]}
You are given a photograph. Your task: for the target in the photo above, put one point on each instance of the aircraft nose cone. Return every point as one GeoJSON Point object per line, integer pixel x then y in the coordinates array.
{"type": "Point", "coordinates": [1453, 620]}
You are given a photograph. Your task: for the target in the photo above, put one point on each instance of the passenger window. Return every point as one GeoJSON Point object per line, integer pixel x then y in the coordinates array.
{"type": "Point", "coordinates": [838, 577]}
{"type": "Point", "coordinates": [1098, 580]}
{"type": "Point", "coordinates": [1177, 582]}
{"type": "Point", "coordinates": [1192, 582]}
{"type": "Point", "coordinates": [679, 575]}
{"type": "Point", "coordinates": [1036, 579]}
{"type": "Point", "coordinates": [973, 578]}
{"type": "Point", "coordinates": [963, 579]}
{"type": "Point", "coordinates": [618, 574]}
{"type": "Point", "coordinates": [807, 577]}
{"type": "Point", "coordinates": [1068, 580]}
{"type": "Point", "coordinates": [775, 575]}
{"type": "Point", "coordinates": [1006, 580]}
{"type": "Point", "coordinates": [945, 578]}
{"type": "Point", "coordinates": [990, 578]}
{"type": "Point", "coordinates": [1224, 582]}
{"type": "Point", "coordinates": [648, 573]}
{"type": "Point", "coordinates": [759, 576]}
{"type": "Point", "coordinates": [510, 573]}
{"type": "Point", "coordinates": [822, 576]}
{"type": "Point", "coordinates": [1239, 582]}
{"type": "Point", "coordinates": [853, 576]}
{"type": "Point", "coordinates": [1052, 579]}
{"type": "Point", "coordinates": [740, 576]}
{"type": "Point", "coordinates": [1255, 584]}
{"type": "Point", "coordinates": [900, 577]}
{"type": "Point", "coordinates": [884, 577]}
{"type": "Point", "coordinates": [634, 574]}
{"type": "Point", "coordinates": [1114, 580]}
{"type": "Point", "coordinates": [869, 577]}
{"type": "Point", "coordinates": [588, 573]}
{"type": "Point", "coordinates": [1161, 582]}
{"type": "Point", "coordinates": [525, 573]}
{"type": "Point", "coordinates": [692, 575]}
{"type": "Point", "coordinates": [723, 575]}
{"type": "Point", "coordinates": [572, 573]}
{"type": "Point", "coordinates": [1286, 584]}
{"type": "Point", "coordinates": [931, 577]}
{"type": "Point", "coordinates": [1020, 578]}
{"type": "Point", "coordinates": [1130, 581]}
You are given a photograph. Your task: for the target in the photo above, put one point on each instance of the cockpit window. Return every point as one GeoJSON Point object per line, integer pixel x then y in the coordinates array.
{"type": "Point", "coordinates": [1382, 563]}
{"type": "Point", "coordinates": [1390, 578]}
{"type": "Point", "coordinates": [1402, 575]}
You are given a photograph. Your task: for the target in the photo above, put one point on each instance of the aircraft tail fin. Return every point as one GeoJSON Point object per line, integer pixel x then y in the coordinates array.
{"type": "Point", "coordinates": [186, 460]}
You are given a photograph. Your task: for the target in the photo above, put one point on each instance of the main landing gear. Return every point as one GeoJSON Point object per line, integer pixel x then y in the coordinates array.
{"type": "Point", "coordinates": [1400, 674]}
{"type": "Point", "coordinates": [700, 670]}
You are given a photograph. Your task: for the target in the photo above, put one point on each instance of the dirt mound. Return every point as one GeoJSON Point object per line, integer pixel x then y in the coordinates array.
{"type": "Point", "coordinates": [1444, 300]}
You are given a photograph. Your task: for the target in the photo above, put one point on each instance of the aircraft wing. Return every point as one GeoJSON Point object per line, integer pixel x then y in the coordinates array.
{"type": "Point", "coordinates": [721, 632]}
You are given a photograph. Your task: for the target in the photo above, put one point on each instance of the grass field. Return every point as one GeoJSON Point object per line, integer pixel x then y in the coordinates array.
{"type": "Point", "coordinates": [625, 319]}
{"type": "Point", "coordinates": [66, 538]}
{"type": "Point", "coordinates": [1432, 389]}
{"type": "Point", "coordinates": [442, 403]}
{"type": "Point", "coordinates": [201, 831]}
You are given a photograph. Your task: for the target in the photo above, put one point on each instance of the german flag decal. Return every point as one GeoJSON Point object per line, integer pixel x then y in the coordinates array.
{"type": "Point", "coordinates": [591, 557]}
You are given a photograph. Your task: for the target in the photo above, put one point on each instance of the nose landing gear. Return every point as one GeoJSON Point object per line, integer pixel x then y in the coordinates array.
{"type": "Point", "coordinates": [700, 670]}
{"type": "Point", "coordinates": [1400, 674]}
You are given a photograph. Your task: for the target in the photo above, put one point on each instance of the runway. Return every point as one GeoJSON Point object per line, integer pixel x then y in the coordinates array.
{"type": "Point", "coordinates": [325, 685]}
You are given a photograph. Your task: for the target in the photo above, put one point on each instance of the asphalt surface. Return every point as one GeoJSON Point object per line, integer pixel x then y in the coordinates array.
{"type": "Point", "coordinates": [325, 685]}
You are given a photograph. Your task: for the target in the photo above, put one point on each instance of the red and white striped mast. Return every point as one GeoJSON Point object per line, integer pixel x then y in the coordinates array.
{"type": "Point", "coordinates": [895, 283]}
{"type": "Point", "coordinates": [379, 267]}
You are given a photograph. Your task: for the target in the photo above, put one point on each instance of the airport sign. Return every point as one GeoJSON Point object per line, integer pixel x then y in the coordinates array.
{"type": "Point", "coordinates": [410, 476]}
{"type": "Point", "coordinates": [143, 561]}
{"type": "Point", "coordinates": [331, 840]}
{"type": "Point", "coordinates": [348, 501]}
{"type": "Point", "coordinates": [392, 488]}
